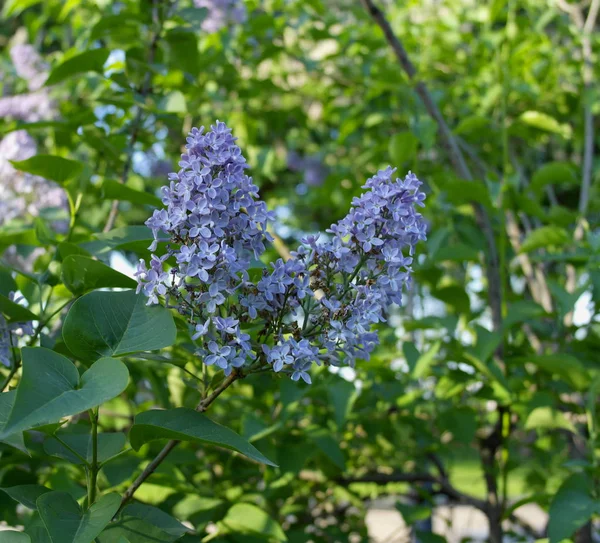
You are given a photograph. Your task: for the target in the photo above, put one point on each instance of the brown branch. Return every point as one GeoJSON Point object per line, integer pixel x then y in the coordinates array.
{"type": "Point", "coordinates": [151, 467]}
{"type": "Point", "coordinates": [445, 487]}
{"type": "Point", "coordinates": [586, 27]}
{"type": "Point", "coordinates": [456, 157]}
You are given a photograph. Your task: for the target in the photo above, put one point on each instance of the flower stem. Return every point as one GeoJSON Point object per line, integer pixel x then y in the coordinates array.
{"type": "Point", "coordinates": [94, 467]}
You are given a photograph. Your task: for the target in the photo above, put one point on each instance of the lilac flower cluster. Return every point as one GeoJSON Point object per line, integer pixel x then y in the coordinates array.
{"type": "Point", "coordinates": [11, 332]}
{"type": "Point", "coordinates": [29, 65]}
{"type": "Point", "coordinates": [221, 13]}
{"type": "Point", "coordinates": [37, 105]}
{"type": "Point", "coordinates": [318, 307]}
{"type": "Point", "coordinates": [24, 193]}
{"type": "Point", "coordinates": [313, 170]}
{"type": "Point", "coordinates": [214, 217]}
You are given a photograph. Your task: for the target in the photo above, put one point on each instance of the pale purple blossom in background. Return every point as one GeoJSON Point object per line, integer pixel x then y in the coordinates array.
{"type": "Point", "coordinates": [221, 13]}
{"type": "Point", "coordinates": [29, 65]}
{"type": "Point", "coordinates": [22, 193]}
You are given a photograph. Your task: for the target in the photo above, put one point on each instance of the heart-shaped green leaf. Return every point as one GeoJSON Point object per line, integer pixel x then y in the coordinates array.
{"type": "Point", "coordinates": [51, 388]}
{"type": "Point", "coordinates": [57, 168]}
{"type": "Point", "coordinates": [108, 446]}
{"type": "Point", "coordinates": [116, 323]}
{"type": "Point", "coordinates": [81, 273]}
{"type": "Point", "coordinates": [26, 495]}
{"type": "Point", "coordinates": [189, 425]}
{"type": "Point", "coordinates": [65, 521]}
{"type": "Point", "coordinates": [7, 400]}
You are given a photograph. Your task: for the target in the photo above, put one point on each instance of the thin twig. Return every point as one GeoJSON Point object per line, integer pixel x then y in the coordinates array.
{"type": "Point", "coordinates": [456, 157]}
{"type": "Point", "coordinates": [445, 487]}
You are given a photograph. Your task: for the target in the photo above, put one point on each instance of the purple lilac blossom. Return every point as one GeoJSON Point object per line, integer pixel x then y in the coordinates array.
{"type": "Point", "coordinates": [215, 218]}
{"type": "Point", "coordinates": [29, 65]}
{"type": "Point", "coordinates": [22, 193]}
{"type": "Point", "coordinates": [221, 13]}
{"type": "Point", "coordinates": [318, 307]}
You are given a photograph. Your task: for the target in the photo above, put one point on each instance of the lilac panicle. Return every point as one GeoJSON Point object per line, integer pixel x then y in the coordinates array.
{"type": "Point", "coordinates": [318, 307]}
{"type": "Point", "coordinates": [29, 65]}
{"type": "Point", "coordinates": [214, 217]}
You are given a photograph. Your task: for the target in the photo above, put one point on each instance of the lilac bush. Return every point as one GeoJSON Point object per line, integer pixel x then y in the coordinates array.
{"type": "Point", "coordinates": [318, 307]}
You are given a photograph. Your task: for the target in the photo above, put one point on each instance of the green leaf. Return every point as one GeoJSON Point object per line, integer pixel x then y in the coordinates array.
{"type": "Point", "coordinates": [342, 395]}
{"type": "Point", "coordinates": [88, 61]}
{"type": "Point", "coordinates": [174, 102]}
{"type": "Point", "coordinates": [461, 422]}
{"type": "Point", "coordinates": [109, 444]}
{"type": "Point", "coordinates": [15, 312]}
{"type": "Point", "coordinates": [189, 425]}
{"type": "Point", "coordinates": [552, 173]}
{"type": "Point", "coordinates": [460, 192]}
{"type": "Point", "coordinates": [572, 506]}
{"type": "Point", "coordinates": [50, 388]}
{"type": "Point", "coordinates": [7, 283]}
{"type": "Point", "coordinates": [403, 147]}
{"type": "Point", "coordinates": [545, 122]}
{"type": "Point", "coordinates": [454, 296]}
{"type": "Point", "coordinates": [423, 536]}
{"type": "Point", "coordinates": [425, 361]}
{"type": "Point", "coordinates": [12, 536]}
{"type": "Point", "coordinates": [566, 366]}
{"type": "Point", "coordinates": [36, 530]}
{"type": "Point", "coordinates": [548, 419]}
{"type": "Point", "coordinates": [411, 354]}
{"type": "Point", "coordinates": [118, 191]}
{"type": "Point", "coordinates": [67, 523]}
{"type": "Point", "coordinates": [183, 50]}
{"type": "Point", "coordinates": [52, 167]}
{"type": "Point", "coordinates": [455, 252]}
{"type": "Point", "coordinates": [82, 273]}
{"type": "Point", "coordinates": [26, 495]}
{"type": "Point", "coordinates": [473, 124]}
{"type": "Point", "coordinates": [329, 447]}
{"type": "Point", "coordinates": [7, 400]}
{"type": "Point", "coordinates": [543, 237]}
{"type": "Point", "coordinates": [143, 523]}
{"type": "Point", "coordinates": [128, 238]}
{"type": "Point", "coordinates": [249, 519]}
{"type": "Point", "coordinates": [413, 513]}
{"type": "Point", "coordinates": [115, 324]}
{"type": "Point", "coordinates": [14, 7]}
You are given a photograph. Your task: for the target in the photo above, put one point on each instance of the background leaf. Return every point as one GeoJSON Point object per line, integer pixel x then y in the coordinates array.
{"type": "Point", "coordinates": [189, 425]}
{"type": "Point", "coordinates": [51, 389]}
